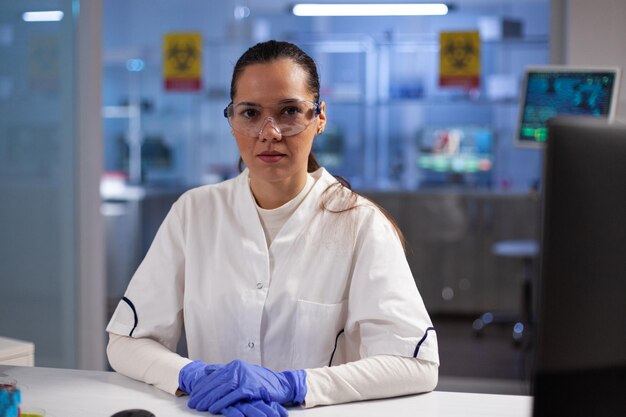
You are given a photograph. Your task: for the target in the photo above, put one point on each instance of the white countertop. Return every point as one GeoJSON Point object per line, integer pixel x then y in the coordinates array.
{"type": "Point", "coordinates": [71, 393]}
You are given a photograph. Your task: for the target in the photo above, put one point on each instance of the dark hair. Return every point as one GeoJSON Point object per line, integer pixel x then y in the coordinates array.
{"type": "Point", "coordinates": [352, 203]}
{"type": "Point", "coordinates": [270, 51]}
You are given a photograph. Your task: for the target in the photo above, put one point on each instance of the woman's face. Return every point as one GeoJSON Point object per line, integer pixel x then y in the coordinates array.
{"type": "Point", "coordinates": [270, 156]}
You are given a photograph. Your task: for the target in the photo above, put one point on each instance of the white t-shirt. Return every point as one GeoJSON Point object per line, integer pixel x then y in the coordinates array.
{"type": "Point", "coordinates": [273, 220]}
{"type": "Point", "coordinates": [331, 288]}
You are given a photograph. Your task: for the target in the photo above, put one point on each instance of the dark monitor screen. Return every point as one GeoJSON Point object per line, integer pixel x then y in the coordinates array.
{"type": "Point", "coordinates": [552, 90]}
{"type": "Point", "coordinates": [580, 363]}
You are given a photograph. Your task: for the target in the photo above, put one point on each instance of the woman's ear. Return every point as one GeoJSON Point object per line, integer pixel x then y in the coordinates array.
{"type": "Point", "coordinates": [321, 119]}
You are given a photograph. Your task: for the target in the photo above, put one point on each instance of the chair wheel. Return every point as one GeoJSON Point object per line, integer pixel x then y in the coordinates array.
{"type": "Point", "coordinates": [478, 326]}
{"type": "Point", "coordinates": [518, 333]}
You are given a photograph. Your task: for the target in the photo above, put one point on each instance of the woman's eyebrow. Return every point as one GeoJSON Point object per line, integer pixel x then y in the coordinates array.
{"type": "Point", "coordinates": [253, 104]}
{"type": "Point", "coordinates": [248, 103]}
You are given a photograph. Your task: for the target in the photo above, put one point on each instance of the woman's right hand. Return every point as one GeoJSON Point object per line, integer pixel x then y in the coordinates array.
{"type": "Point", "coordinates": [193, 373]}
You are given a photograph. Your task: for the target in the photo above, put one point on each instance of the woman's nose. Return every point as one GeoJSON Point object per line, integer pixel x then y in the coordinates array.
{"type": "Point", "coordinates": [270, 130]}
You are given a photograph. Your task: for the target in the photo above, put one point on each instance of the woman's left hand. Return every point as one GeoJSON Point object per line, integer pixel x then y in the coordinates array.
{"type": "Point", "coordinates": [255, 409]}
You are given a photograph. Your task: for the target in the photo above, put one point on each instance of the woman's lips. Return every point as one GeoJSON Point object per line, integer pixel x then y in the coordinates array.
{"type": "Point", "coordinates": [271, 157]}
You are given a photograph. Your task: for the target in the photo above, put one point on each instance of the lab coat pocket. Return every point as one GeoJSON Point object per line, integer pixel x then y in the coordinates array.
{"type": "Point", "coordinates": [317, 327]}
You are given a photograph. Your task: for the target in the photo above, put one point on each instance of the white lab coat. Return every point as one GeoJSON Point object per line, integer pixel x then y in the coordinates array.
{"type": "Point", "coordinates": [332, 286]}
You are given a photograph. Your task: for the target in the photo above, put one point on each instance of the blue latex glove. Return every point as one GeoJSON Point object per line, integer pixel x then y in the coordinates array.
{"type": "Point", "coordinates": [193, 374]}
{"type": "Point", "coordinates": [255, 409]}
{"type": "Point", "coordinates": [239, 381]}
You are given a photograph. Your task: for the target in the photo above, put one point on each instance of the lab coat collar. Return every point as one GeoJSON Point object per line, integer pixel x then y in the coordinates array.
{"type": "Point", "coordinates": [245, 207]}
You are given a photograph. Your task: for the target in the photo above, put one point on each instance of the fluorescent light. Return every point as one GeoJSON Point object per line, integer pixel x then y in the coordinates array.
{"type": "Point", "coordinates": [384, 9]}
{"type": "Point", "coordinates": [47, 16]}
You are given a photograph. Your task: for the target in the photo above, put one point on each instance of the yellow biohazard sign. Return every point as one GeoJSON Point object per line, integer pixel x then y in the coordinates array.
{"type": "Point", "coordinates": [459, 59]}
{"type": "Point", "coordinates": [182, 61]}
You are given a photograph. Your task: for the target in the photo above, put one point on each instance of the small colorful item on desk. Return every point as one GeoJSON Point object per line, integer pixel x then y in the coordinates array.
{"type": "Point", "coordinates": [10, 397]}
{"type": "Point", "coordinates": [32, 412]}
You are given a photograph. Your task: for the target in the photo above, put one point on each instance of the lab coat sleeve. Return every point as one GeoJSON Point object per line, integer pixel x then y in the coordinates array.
{"type": "Point", "coordinates": [145, 360]}
{"type": "Point", "coordinates": [153, 303]}
{"type": "Point", "coordinates": [382, 376]}
{"type": "Point", "coordinates": [385, 310]}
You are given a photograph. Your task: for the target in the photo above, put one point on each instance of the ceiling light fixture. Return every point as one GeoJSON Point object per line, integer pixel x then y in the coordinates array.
{"type": "Point", "coordinates": [47, 16]}
{"type": "Point", "coordinates": [381, 9]}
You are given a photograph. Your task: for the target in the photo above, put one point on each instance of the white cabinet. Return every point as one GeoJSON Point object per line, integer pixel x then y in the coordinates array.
{"type": "Point", "coordinates": [16, 352]}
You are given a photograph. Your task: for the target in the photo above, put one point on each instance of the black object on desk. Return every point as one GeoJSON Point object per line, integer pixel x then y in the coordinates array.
{"type": "Point", "coordinates": [133, 413]}
{"type": "Point", "coordinates": [527, 251]}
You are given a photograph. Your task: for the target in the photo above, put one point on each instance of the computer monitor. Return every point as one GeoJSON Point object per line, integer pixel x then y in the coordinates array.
{"type": "Point", "coordinates": [456, 154]}
{"type": "Point", "coordinates": [561, 90]}
{"type": "Point", "coordinates": [580, 362]}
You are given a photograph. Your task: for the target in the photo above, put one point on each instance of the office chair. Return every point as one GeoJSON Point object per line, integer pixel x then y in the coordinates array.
{"type": "Point", "coordinates": [527, 251]}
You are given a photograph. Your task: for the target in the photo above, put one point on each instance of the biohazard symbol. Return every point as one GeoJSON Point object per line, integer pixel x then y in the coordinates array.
{"type": "Point", "coordinates": [182, 56]}
{"type": "Point", "coordinates": [459, 51]}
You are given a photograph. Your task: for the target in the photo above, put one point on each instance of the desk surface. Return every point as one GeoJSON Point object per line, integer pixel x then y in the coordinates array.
{"type": "Point", "coordinates": [71, 393]}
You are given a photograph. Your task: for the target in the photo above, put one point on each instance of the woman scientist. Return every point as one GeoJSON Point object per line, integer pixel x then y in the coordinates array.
{"type": "Point", "coordinates": [292, 289]}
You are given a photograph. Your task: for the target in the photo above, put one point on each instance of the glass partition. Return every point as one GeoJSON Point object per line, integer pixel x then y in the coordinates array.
{"type": "Point", "coordinates": [38, 267]}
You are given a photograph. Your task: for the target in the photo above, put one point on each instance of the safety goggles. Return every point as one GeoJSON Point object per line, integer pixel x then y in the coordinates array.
{"type": "Point", "coordinates": [289, 117]}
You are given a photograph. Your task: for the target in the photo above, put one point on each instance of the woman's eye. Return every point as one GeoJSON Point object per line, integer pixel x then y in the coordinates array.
{"type": "Point", "coordinates": [291, 110]}
{"type": "Point", "coordinates": [249, 113]}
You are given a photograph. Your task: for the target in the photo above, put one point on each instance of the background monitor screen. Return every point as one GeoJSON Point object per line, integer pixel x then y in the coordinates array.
{"type": "Point", "coordinates": [553, 90]}
{"type": "Point", "coordinates": [457, 154]}
{"type": "Point", "coordinates": [580, 364]}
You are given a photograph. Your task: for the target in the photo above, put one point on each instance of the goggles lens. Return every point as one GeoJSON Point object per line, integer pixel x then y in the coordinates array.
{"type": "Point", "coordinates": [290, 117]}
